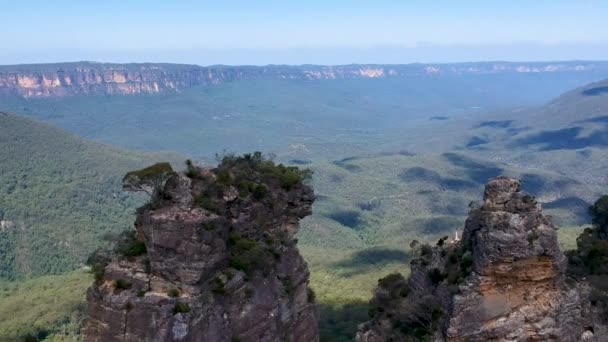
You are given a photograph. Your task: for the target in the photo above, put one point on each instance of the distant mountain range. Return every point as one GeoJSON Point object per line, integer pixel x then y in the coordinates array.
{"type": "Point", "coordinates": [67, 79]}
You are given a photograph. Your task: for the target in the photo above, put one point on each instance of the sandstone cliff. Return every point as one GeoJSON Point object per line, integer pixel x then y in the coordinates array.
{"type": "Point", "coordinates": [504, 281]}
{"type": "Point", "coordinates": [213, 259]}
{"type": "Point", "coordinates": [86, 78]}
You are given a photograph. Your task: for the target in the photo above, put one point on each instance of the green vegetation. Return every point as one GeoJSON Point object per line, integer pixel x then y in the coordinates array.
{"type": "Point", "coordinates": [138, 248]}
{"type": "Point", "coordinates": [590, 259]}
{"type": "Point", "coordinates": [460, 264]}
{"type": "Point", "coordinates": [51, 307]}
{"type": "Point", "coordinates": [218, 286]}
{"type": "Point", "coordinates": [150, 180]}
{"type": "Point", "coordinates": [599, 213]}
{"type": "Point", "coordinates": [248, 255]}
{"type": "Point", "coordinates": [173, 293]}
{"type": "Point", "coordinates": [416, 318]}
{"type": "Point", "coordinates": [122, 284]}
{"type": "Point", "coordinates": [181, 307]}
{"type": "Point", "coordinates": [260, 170]}
{"type": "Point", "coordinates": [60, 195]}
{"type": "Point", "coordinates": [126, 243]}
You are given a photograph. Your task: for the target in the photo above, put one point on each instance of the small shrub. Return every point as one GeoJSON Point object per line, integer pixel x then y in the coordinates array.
{"type": "Point", "coordinates": [181, 308]}
{"type": "Point", "coordinates": [288, 286]}
{"type": "Point", "coordinates": [532, 237]}
{"type": "Point", "coordinates": [260, 191]}
{"type": "Point", "coordinates": [223, 177]}
{"type": "Point", "coordinates": [208, 225]}
{"type": "Point", "coordinates": [436, 276]}
{"type": "Point", "coordinates": [312, 296]}
{"type": "Point", "coordinates": [426, 250]}
{"type": "Point", "coordinates": [98, 271]}
{"type": "Point", "coordinates": [129, 306]}
{"type": "Point", "coordinates": [527, 199]}
{"type": "Point", "coordinates": [122, 284]}
{"type": "Point", "coordinates": [390, 279]}
{"type": "Point", "coordinates": [136, 249]}
{"type": "Point", "coordinates": [173, 293]}
{"type": "Point", "coordinates": [191, 170]}
{"type": "Point", "coordinates": [442, 241]}
{"type": "Point", "coordinates": [247, 255]}
{"type": "Point", "coordinates": [141, 293]}
{"type": "Point", "coordinates": [205, 201]}
{"type": "Point", "coordinates": [218, 286]}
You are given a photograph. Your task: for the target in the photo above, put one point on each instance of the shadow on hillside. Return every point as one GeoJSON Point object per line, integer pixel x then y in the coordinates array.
{"type": "Point", "coordinates": [347, 218]}
{"type": "Point", "coordinates": [532, 183]}
{"type": "Point", "coordinates": [476, 141]}
{"type": "Point", "coordinates": [476, 172]}
{"type": "Point", "coordinates": [451, 206]}
{"type": "Point", "coordinates": [495, 124]}
{"type": "Point", "coordinates": [300, 162]}
{"type": "Point", "coordinates": [418, 173]}
{"type": "Point", "coordinates": [595, 91]}
{"type": "Point", "coordinates": [339, 322]}
{"type": "Point", "coordinates": [598, 119]}
{"type": "Point", "coordinates": [440, 225]}
{"type": "Point", "coordinates": [372, 258]}
{"type": "Point", "coordinates": [455, 184]}
{"type": "Point", "coordinates": [343, 163]}
{"type": "Point", "coordinates": [575, 205]}
{"type": "Point", "coordinates": [421, 174]}
{"type": "Point", "coordinates": [565, 139]}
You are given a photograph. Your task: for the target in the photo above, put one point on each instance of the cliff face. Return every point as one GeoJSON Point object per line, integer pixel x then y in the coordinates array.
{"type": "Point", "coordinates": [68, 79]}
{"type": "Point", "coordinates": [220, 263]}
{"type": "Point", "coordinates": [504, 281]}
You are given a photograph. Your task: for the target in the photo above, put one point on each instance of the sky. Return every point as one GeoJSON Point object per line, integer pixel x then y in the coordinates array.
{"type": "Point", "coordinates": [302, 32]}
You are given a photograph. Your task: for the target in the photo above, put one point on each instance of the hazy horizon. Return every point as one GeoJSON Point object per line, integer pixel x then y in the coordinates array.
{"type": "Point", "coordinates": [315, 32]}
{"type": "Point", "coordinates": [308, 57]}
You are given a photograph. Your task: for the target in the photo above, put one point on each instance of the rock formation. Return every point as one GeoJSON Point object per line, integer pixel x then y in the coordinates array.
{"type": "Point", "coordinates": [86, 78]}
{"type": "Point", "coordinates": [505, 280]}
{"type": "Point", "coordinates": [213, 259]}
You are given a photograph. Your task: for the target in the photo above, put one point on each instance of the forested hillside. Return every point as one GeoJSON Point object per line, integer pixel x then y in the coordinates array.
{"type": "Point", "coordinates": [59, 195]}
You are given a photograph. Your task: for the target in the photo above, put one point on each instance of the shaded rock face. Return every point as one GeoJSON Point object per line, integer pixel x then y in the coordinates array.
{"type": "Point", "coordinates": [504, 281]}
{"type": "Point", "coordinates": [224, 270]}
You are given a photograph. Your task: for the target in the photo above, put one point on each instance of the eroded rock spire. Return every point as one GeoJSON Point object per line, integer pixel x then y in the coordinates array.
{"type": "Point", "coordinates": [213, 259]}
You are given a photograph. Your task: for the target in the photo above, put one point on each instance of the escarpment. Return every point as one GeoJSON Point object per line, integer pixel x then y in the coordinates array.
{"type": "Point", "coordinates": [505, 280]}
{"type": "Point", "coordinates": [213, 258]}
{"type": "Point", "coordinates": [89, 78]}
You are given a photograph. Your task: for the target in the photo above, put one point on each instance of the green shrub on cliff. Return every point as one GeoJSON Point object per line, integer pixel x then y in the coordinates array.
{"type": "Point", "coordinates": [150, 180]}
{"type": "Point", "coordinates": [599, 213]}
{"type": "Point", "coordinates": [122, 284]}
{"type": "Point", "coordinates": [590, 259]}
{"type": "Point", "coordinates": [260, 169]}
{"type": "Point", "coordinates": [248, 255]}
{"type": "Point", "coordinates": [181, 308]}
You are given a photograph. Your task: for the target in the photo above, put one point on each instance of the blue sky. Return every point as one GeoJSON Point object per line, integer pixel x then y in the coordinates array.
{"type": "Point", "coordinates": [296, 32]}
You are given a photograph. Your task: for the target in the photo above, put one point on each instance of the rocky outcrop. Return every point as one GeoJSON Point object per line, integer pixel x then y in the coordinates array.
{"type": "Point", "coordinates": [213, 259]}
{"type": "Point", "coordinates": [504, 281]}
{"type": "Point", "coordinates": [86, 78]}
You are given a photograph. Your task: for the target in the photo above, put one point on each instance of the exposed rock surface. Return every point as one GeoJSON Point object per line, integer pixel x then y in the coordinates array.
{"type": "Point", "coordinates": [504, 281]}
{"type": "Point", "coordinates": [221, 263]}
{"type": "Point", "coordinates": [67, 79]}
